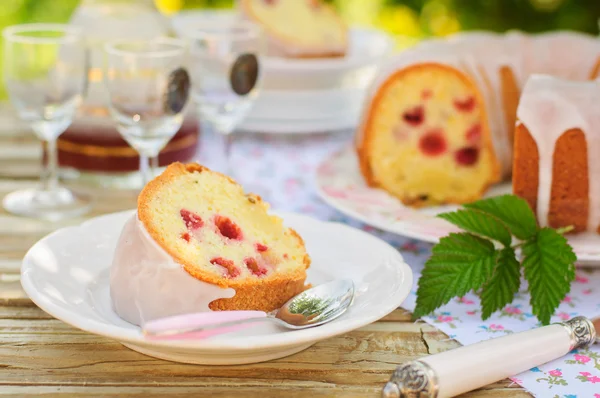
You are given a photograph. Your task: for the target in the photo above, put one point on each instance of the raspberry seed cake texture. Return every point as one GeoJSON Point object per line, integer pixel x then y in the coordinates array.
{"type": "Point", "coordinates": [438, 125]}
{"type": "Point", "coordinates": [437, 147]}
{"type": "Point", "coordinates": [299, 28]}
{"type": "Point", "coordinates": [198, 242]}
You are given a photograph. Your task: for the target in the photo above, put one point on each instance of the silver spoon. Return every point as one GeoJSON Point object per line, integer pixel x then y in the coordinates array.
{"type": "Point", "coordinates": [313, 307]}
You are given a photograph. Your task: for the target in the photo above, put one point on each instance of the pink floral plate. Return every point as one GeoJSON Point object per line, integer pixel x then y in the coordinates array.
{"type": "Point", "coordinates": [341, 185]}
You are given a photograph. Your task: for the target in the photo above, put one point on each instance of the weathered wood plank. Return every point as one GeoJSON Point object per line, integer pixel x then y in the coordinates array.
{"type": "Point", "coordinates": [104, 201]}
{"type": "Point", "coordinates": [33, 312]}
{"type": "Point", "coordinates": [363, 359]}
{"type": "Point", "coordinates": [47, 351]}
{"type": "Point", "coordinates": [12, 294]}
{"type": "Point", "coordinates": [399, 315]}
{"type": "Point", "coordinates": [272, 391]}
{"type": "Point", "coordinates": [9, 266]}
{"type": "Point", "coordinates": [21, 169]}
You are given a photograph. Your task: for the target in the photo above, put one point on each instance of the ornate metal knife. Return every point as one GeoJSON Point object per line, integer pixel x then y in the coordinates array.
{"type": "Point", "coordinates": [457, 371]}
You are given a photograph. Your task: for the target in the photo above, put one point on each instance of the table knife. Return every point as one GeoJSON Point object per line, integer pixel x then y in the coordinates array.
{"type": "Point", "coordinates": [464, 369]}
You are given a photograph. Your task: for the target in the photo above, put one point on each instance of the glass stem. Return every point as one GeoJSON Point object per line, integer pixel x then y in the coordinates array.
{"type": "Point", "coordinates": [154, 165]}
{"type": "Point", "coordinates": [227, 151]}
{"type": "Point", "coordinates": [145, 169]}
{"type": "Point", "coordinates": [50, 174]}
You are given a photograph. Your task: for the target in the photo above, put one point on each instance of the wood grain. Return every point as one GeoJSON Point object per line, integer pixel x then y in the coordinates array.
{"type": "Point", "coordinates": [42, 356]}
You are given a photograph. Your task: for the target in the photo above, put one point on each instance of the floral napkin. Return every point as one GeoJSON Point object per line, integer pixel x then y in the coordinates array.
{"type": "Point", "coordinates": [281, 170]}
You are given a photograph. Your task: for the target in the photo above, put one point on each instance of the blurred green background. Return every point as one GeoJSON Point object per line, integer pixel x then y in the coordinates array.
{"type": "Point", "coordinates": [408, 20]}
{"type": "Point", "coordinates": [416, 18]}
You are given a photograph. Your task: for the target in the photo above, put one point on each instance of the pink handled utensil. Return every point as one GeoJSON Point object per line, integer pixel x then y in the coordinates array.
{"type": "Point", "coordinates": [200, 325]}
{"type": "Point", "coordinates": [313, 307]}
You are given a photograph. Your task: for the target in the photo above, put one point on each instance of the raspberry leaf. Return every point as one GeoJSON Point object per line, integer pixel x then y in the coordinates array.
{"type": "Point", "coordinates": [501, 288]}
{"type": "Point", "coordinates": [460, 262]}
{"type": "Point", "coordinates": [549, 264]}
{"type": "Point", "coordinates": [468, 261]}
{"type": "Point", "coordinates": [479, 223]}
{"type": "Point", "coordinates": [513, 211]}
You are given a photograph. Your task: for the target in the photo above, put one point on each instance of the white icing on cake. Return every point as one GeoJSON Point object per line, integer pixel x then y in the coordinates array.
{"type": "Point", "coordinates": [550, 106]}
{"type": "Point", "coordinates": [568, 55]}
{"type": "Point", "coordinates": [146, 283]}
{"type": "Point", "coordinates": [485, 70]}
{"type": "Point", "coordinates": [487, 53]}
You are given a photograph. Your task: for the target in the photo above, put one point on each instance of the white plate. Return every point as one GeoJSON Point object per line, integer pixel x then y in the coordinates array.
{"type": "Point", "coordinates": [342, 186]}
{"type": "Point", "coordinates": [66, 274]}
{"type": "Point", "coordinates": [310, 126]}
{"type": "Point", "coordinates": [283, 112]}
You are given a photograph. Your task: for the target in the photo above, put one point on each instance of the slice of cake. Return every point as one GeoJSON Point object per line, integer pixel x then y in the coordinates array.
{"type": "Point", "coordinates": [299, 28]}
{"type": "Point", "coordinates": [425, 137]}
{"type": "Point", "coordinates": [199, 242]}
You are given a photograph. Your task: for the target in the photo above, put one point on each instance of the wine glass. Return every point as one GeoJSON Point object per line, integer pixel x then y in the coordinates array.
{"type": "Point", "coordinates": [45, 74]}
{"type": "Point", "coordinates": [226, 75]}
{"type": "Point", "coordinates": [148, 88]}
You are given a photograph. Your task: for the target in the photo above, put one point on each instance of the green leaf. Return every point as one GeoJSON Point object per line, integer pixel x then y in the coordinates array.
{"type": "Point", "coordinates": [460, 262]}
{"type": "Point", "coordinates": [479, 223]}
{"type": "Point", "coordinates": [500, 290]}
{"type": "Point", "coordinates": [549, 269]}
{"type": "Point", "coordinates": [513, 211]}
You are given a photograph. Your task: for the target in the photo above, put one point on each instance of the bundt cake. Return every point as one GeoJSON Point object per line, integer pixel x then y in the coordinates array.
{"type": "Point", "coordinates": [438, 124]}
{"type": "Point", "coordinates": [198, 242]}
{"type": "Point", "coordinates": [299, 28]}
{"type": "Point", "coordinates": [557, 141]}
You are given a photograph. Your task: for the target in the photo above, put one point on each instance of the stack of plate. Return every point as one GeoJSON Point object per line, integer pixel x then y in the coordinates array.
{"type": "Point", "coordinates": [309, 95]}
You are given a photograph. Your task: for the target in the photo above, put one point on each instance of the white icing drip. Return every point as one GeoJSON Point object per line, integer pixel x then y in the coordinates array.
{"type": "Point", "coordinates": [487, 53]}
{"type": "Point", "coordinates": [146, 283]}
{"type": "Point", "coordinates": [593, 142]}
{"type": "Point", "coordinates": [548, 108]}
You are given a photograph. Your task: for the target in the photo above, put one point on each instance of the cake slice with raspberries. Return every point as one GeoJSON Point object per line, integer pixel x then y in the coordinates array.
{"type": "Point", "coordinates": [425, 138]}
{"type": "Point", "coordinates": [299, 28]}
{"type": "Point", "coordinates": [223, 236]}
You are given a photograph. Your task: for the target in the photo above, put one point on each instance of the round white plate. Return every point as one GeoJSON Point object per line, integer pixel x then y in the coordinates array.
{"type": "Point", "coordinates": [66, 275]}
{"type": "Point", "coordinates": [342, 186]}
{"type": "Point", "coordinates": [309, 126]}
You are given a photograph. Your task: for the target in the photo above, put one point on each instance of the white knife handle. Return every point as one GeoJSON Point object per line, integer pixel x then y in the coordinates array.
{"type": "Point", "coordinates": [464, 369]}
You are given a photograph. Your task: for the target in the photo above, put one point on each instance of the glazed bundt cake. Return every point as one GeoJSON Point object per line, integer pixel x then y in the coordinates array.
{"type": "Point", "coordinates": [438, 124]}
{"type": "Point", "coordinates": [557, 142]}
{"type": "Point", "coordinates": [299, 28]}
{"type": "Point", "coordinates": [203, 228]}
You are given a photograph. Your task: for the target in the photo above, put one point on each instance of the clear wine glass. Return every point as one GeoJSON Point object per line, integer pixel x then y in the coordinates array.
{"type": "Point", "coordinates": [148, 87]}
{"type": "Point", "coordinates": [226, 75]}
{"type": "Point", "coordinates": [45, 74]}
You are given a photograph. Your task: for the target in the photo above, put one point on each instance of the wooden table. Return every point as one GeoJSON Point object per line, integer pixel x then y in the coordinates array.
{"type": "Point", "coordinates": [42, 355]}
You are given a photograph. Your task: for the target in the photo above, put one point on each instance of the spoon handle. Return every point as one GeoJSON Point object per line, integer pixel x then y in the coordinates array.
{"type": "Point", "coordinates": [202, 324]}
{"type": "Point", "coordinates": [464, 369]}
